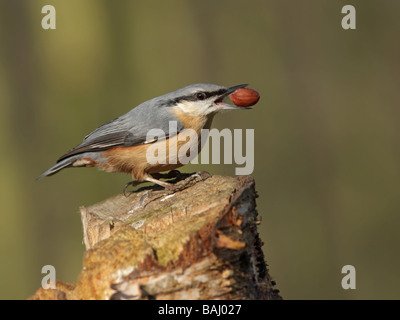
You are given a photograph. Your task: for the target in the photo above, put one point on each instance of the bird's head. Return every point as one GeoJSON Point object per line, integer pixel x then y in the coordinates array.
{"type": "Point", "coordinates": [202, 99]}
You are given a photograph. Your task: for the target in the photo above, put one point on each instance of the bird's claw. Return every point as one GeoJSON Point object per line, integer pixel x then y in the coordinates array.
{"type": "Point", "coordinates": [203, 175]}
{"type": "Point", "coordinates": [130, 183]}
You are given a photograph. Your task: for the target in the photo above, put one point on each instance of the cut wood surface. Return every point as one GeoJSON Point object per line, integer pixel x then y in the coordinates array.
{"type": "Point", "coordinates": [199, 243]}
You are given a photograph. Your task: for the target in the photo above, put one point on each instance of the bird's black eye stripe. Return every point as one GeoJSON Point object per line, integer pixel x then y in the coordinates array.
{"type": "Point", "coordinates": [195, 97]}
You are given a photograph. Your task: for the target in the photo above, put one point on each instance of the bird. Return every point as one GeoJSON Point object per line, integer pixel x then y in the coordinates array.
{"type": "Point", "coordinates": [121, 145]}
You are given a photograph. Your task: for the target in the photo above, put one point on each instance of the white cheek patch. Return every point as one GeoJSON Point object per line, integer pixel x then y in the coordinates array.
{"type": "Point", "coordinates": [197, 108]}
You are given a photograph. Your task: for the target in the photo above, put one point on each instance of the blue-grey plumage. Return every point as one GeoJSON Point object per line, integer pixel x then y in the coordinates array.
{"type": "Point", "coordinates": [120, 145]}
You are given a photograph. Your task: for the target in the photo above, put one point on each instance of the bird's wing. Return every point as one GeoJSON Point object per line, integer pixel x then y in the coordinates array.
{"type": "Point", "coordinates": [128, 130]}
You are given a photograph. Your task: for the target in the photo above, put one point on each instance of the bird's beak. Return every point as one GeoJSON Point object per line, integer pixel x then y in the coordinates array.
{"type": "Point", "coordinates": [225, 106]}
{"type": "Point", "coordinates": [234, 88]}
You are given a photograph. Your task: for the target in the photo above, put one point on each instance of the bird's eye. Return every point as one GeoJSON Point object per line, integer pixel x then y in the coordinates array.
{"type": "Point", "coordinates": [201, 95]}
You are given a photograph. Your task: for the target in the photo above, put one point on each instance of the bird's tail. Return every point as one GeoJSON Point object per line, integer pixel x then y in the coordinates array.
{"type": "Point", "coordinates": [57, 167]}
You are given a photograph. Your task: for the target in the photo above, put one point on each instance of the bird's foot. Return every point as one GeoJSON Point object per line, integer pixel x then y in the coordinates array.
{"type": "Point", "coordinates": [133, 183]}
{"type": "Point", "coordinates": [170, 188]}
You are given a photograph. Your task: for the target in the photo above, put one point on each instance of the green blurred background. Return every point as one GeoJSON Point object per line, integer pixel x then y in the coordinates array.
{"type": "Point", "coordinates": [327, 135]}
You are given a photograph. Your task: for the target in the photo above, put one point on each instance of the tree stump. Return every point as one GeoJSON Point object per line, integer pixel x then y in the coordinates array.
{"type": "Point", "coordinates": [199, 243]}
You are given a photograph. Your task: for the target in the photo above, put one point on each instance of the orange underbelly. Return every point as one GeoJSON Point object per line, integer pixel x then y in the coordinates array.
{"type": "Point", "coordinates": [140, 160]}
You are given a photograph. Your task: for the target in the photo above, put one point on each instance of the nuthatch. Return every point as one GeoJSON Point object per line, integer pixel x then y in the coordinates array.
{"type": "Point", "coordinates": [120, 145]}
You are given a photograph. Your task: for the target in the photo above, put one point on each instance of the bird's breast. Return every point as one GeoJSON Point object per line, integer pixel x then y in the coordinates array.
{"type": "Point", "coordinates": [162, 155]}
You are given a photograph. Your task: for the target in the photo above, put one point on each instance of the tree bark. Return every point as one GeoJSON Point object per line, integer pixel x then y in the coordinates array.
{"type": "Point", "coordinates": [199, 243]}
